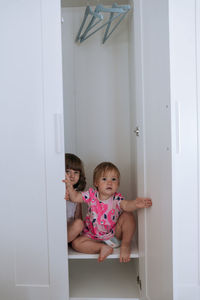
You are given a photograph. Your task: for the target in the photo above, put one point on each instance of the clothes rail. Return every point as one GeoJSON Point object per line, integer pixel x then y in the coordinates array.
{"type": "Point", "coordinates": [116, 11]}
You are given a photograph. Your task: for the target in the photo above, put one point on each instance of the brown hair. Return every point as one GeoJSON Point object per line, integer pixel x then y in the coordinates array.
{"type": "Point", "coordinates": [102, 168]}
{"type": "Point", "coordinates": [73, 162]}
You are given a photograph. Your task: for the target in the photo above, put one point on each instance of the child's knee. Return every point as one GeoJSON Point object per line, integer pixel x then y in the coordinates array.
{"type": "Point", "coordinates": [128, 217]}
{"type": "Point", "coordinates": [76, 243]}
{"type": "Point", "coordinates": [131, 219]}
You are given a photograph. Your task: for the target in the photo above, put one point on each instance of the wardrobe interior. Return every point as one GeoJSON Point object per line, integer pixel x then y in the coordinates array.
{"type": "Point", "coordinates": [99, 124]}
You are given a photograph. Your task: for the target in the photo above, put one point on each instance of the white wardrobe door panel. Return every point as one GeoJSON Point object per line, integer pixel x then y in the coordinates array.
{"type": "Point", "coordinates": [156, 93]}
{"type": "Point", "coordinates": [137, 109]}
{"type": "Point", "coordinates": [23, 147]}
{"type": "Point", "coordinates": [33, 250]}
{"type": "Point", "coordinates": [185, 114]}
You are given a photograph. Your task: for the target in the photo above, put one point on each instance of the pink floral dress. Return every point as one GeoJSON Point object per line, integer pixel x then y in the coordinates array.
{"type": "Point", "coordinates": [102, 216]}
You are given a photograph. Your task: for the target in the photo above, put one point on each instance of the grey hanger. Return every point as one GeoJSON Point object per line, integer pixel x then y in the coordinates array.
{"type": "Point", "coordinates": [119, 9]}
{"type": "Point", "coordinates": [107, 33]}
{"type": "Point", "coordinates": [94, 14]}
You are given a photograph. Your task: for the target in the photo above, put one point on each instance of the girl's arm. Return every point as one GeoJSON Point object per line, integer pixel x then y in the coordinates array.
{"type": "Point", "coordinates": [74, 196]}
{"type": "Point", "coordinates": [78, 212]}
{"type": "Point", "coordinates": [131, 205]}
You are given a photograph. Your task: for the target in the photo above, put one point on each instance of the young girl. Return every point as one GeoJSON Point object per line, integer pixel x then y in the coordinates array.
{"type": "Point", "coordinates": [75, 173]}
{"type": "Point", "coordinates": [108, 214]}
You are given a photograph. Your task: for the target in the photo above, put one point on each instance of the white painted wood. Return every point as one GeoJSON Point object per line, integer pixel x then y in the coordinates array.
{"type": "Point", "coordinates": [97, 90]}
{"type": "Point", "coordinates": [157, 151]}
{"type": "Point", "coordinates": [109, 279]}
{"type": "Point", "coordinates": [198, 121]}
{"type": "Point", "coordinates": [33, 252]}
{"type": "Point", "coordinates": [81, 298]}
{"type": "Point", "coordinates": [33, 232]}
{"type": "Point", "coordinates": [116, 254]}
{"type": "Point", "coordinates": [184, 64]}
{"type": "Point", "coordinates": [137, 108]}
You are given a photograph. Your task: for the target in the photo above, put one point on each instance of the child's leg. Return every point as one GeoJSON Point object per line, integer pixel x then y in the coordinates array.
{"type": "Point", "coordinates": [86, 245]}
{"type": "Point", "coordinates": [74, 229]}
{"type": "Point", "coordinates": [125, 230]}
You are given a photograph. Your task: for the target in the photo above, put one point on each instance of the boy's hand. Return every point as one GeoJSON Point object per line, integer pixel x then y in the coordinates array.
{"type": "Point", "coordinates": [143, 202]}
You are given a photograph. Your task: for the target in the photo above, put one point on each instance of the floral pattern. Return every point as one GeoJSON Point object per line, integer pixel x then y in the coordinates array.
{"type": "Point", "coordinates": [102, 216]}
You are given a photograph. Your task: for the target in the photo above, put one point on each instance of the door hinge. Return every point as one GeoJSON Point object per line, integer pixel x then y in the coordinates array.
{"type": "Point", "coordinates": [139, 282]}
{"type": "Point", "coordinates": [137, 131]}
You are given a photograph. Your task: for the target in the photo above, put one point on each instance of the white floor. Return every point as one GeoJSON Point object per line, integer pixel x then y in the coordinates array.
{"type": "Point", "coordinates": [111, 279]}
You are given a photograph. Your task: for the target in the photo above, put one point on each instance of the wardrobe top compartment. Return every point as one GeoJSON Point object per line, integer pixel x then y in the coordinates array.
{"type": "Point", "coordinates": [79, 3]}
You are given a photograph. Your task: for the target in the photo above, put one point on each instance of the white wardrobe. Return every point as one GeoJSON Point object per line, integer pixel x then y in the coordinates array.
{"type": "Point", "coordinates": [90, 99]}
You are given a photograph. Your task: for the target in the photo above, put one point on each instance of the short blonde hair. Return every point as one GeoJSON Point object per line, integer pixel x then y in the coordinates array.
{"type": "Point", "coordinates": [102, 168]}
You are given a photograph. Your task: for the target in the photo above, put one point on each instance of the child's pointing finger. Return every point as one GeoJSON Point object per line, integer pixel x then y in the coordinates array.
{"type": "Point", "coordinates": [67, 180]}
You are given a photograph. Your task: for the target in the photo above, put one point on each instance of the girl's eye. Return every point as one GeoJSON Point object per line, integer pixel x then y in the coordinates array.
{"type": "Point", "coordinates": [67, 171]}
{"type": "Point", "coordinates": [114, 179]}
{"type": "Point", "coordinates": [104, 178]}
{"type": "Point", "coordinates": [76, 172]}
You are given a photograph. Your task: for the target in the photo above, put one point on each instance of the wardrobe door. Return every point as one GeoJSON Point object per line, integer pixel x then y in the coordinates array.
{"type": "Point", "coordinates": [32, 215]}
{"type": "Point", "coordinates": [185, 85]}
{"type": "Point", "coordinates": [154, 149]}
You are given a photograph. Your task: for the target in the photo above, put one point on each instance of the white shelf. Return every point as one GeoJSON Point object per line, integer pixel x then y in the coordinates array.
{"type": "Point", "coordinates": [72, 298]}
{"type": "Point", "coordinates": [72, 254]}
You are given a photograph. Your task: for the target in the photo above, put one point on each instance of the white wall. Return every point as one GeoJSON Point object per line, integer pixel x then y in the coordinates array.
{"type": "Point", "coordinates": [97, 97]}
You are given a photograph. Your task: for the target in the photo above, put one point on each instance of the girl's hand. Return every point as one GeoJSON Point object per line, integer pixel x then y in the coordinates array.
{"type": "Point", "coordinates": [74, 196]}
{"type": "Point", "coordinates": [66, 195]}
{"type": "Point", "coordinates": [68, 184]}
{"type": "Point", "coordinates": [67, 181]}
{"type": "Point", "coordinates": [143, 202]}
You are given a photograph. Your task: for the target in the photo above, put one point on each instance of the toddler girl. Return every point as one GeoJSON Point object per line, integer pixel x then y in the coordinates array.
{"type": "Point", "coordinates": [75, 172]}
{"type": "Point", "coordinates": [108, 218]}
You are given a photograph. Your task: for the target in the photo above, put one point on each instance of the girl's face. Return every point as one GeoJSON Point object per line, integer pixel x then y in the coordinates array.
{"type": "Point", "coordinates": [107, 184]}
{"type": "Point", "coordinates": [73, 175]}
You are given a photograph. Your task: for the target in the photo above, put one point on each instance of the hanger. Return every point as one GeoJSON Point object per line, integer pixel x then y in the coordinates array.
{"type": "Point", "coordinates": [118, 9]}
{"type": "Point", "coordinates": [107, 33]}
{"type": "Point", "coordinates": [94, 14]}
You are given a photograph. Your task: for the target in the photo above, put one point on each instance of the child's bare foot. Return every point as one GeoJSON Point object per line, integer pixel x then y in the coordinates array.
{"type": "Point", "coordinates": [125, 252]}
{"type": "Point", "coordinates": [104, 252]}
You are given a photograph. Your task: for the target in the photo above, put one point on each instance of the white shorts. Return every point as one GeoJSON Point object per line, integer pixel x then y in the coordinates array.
{"type": "Point", "coordinates": [113, 242]}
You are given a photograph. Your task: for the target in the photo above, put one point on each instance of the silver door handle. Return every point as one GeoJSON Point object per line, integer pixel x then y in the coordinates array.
{"type": "Point", "coordinates": [137, 131]}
